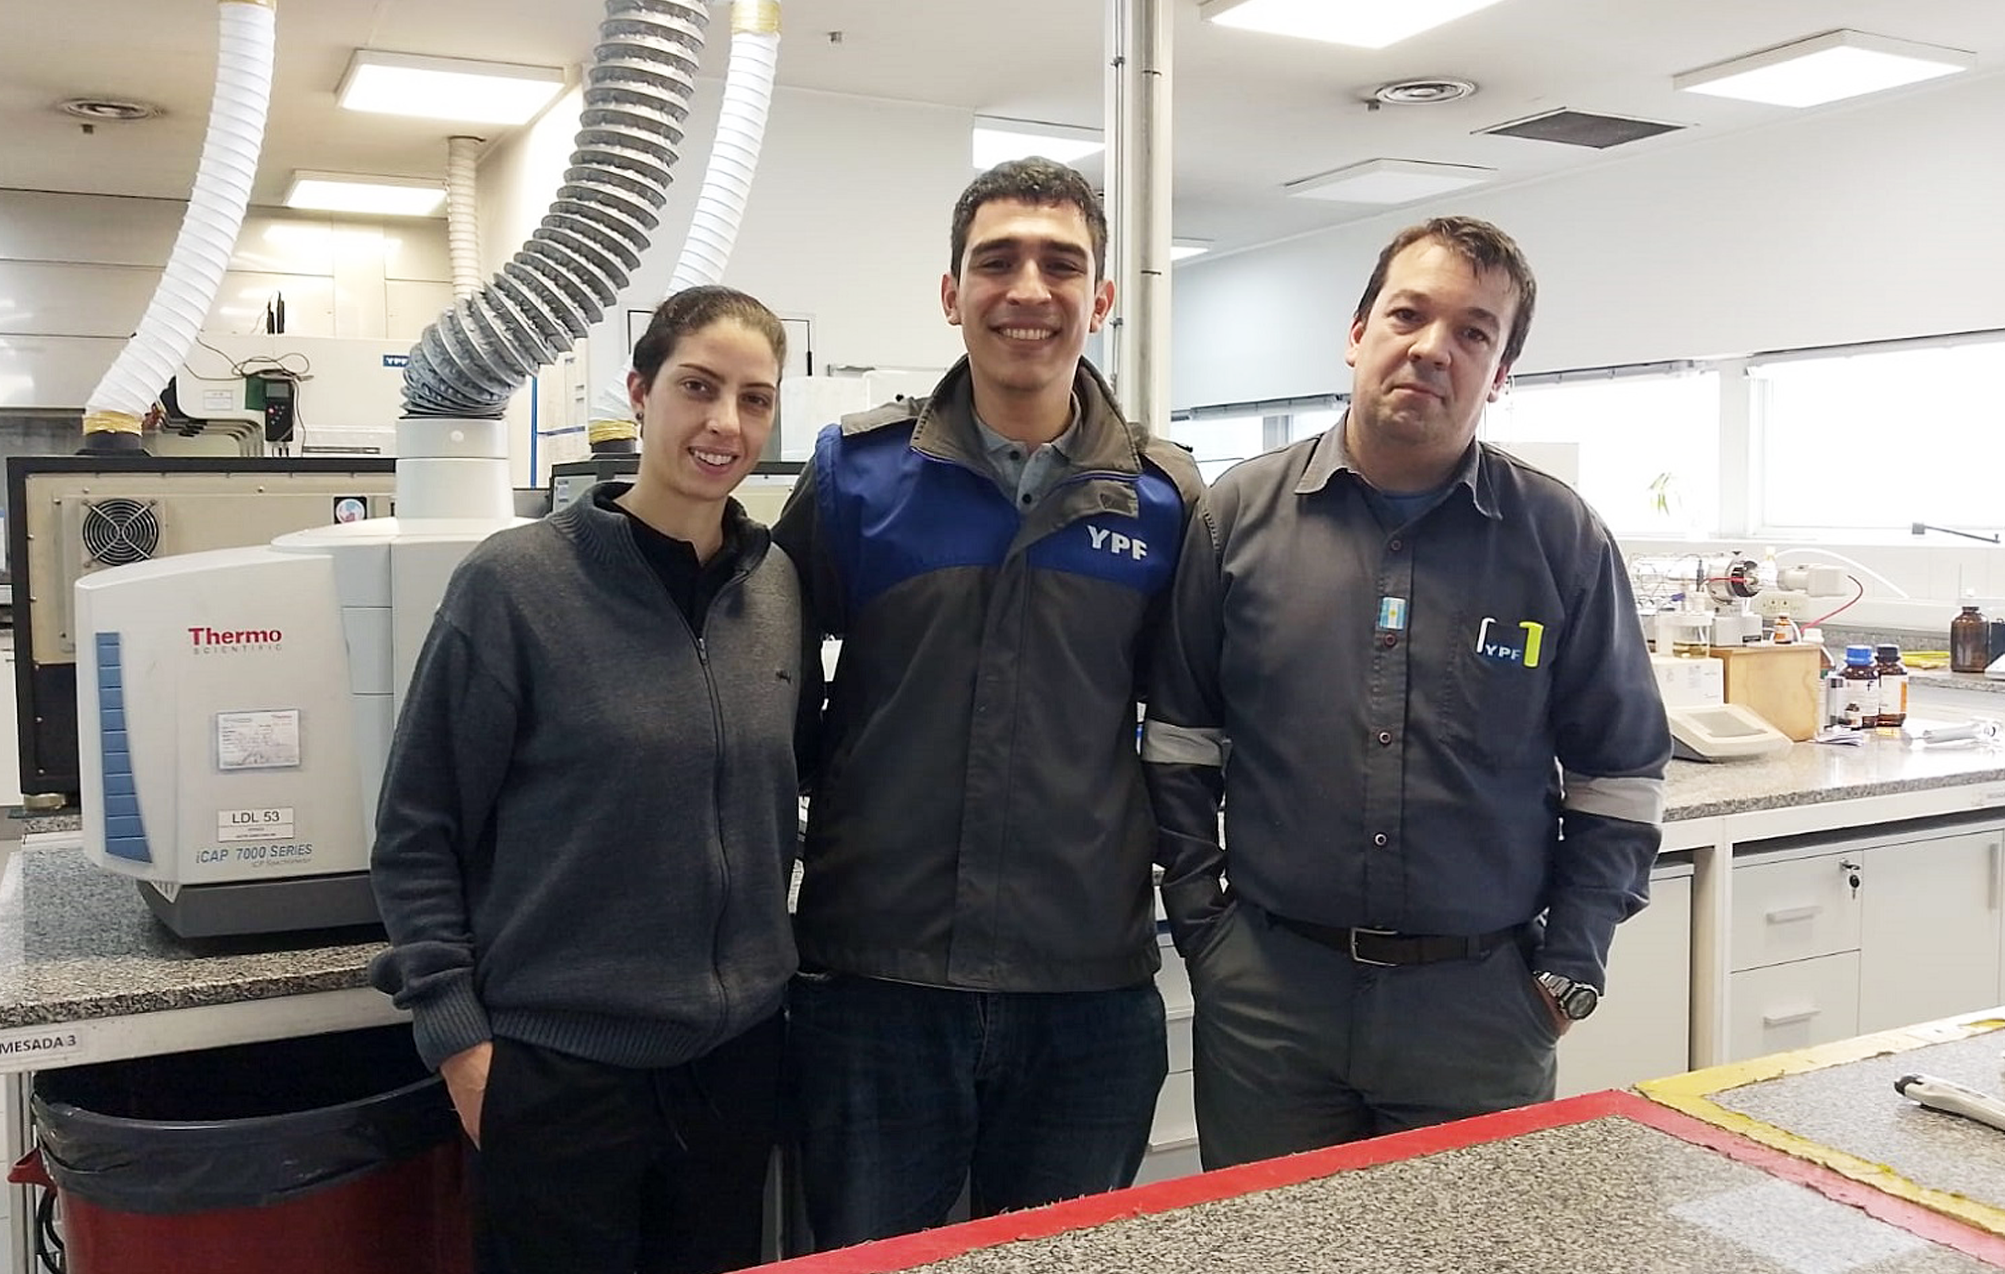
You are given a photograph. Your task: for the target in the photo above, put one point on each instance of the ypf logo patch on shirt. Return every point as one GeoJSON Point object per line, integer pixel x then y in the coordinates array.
{"type": "Point", "coordinates": [1506, 645]}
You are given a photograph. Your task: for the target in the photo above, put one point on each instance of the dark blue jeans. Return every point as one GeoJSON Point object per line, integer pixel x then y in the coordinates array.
{"type": "Point", "coordinates": [903, 1093]}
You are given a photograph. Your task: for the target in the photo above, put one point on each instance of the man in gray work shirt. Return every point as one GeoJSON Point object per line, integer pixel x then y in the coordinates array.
{"type": "Point", "coordinates": [1446, 744]}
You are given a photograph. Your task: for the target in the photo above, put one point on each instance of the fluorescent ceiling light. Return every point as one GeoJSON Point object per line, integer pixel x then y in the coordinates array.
{"type": "Point", "coordinates": [997, 139]}
{"type": "Point", "coordinates": [385, 196]}
{"type": "Point", "coordinates": [1825, 68]}
{"type": "Point", "coordinates": [1388, 181]}
{"type": "Point", "coordinates": [1182, 249]}
{"type": "Point", "coordinates": [1364, 24]}
{"type": "Point", "coordinates": [448, 88]}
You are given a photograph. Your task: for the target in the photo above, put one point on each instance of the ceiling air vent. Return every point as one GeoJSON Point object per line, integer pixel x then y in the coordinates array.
{"type": "Point", "coordinates": [1431, 91]}
{"type": "Point", "coordinates": [118, 532]}
{"type": "Point", "coordinates": [108, 110]}
{"type": "Point", "coordinates": [1580, 128]}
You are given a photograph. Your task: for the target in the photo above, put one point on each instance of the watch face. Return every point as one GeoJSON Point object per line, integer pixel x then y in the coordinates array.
{"type": "Point", "coordinates": [1580, 1001]}
{"type": "Point", "coordinates": [1575, 999]}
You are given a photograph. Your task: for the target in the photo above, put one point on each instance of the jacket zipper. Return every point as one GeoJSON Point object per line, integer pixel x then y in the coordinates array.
{"type": "Point", "coordinates": [717, 797]}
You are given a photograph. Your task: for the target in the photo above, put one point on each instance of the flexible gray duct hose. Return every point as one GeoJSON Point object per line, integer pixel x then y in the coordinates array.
{"type": "Point", "coordinates": [473, 359]}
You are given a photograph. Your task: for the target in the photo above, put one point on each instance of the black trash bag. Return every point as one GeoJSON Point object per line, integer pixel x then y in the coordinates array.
{"type": "Point", "coordinates": [240, 1127]}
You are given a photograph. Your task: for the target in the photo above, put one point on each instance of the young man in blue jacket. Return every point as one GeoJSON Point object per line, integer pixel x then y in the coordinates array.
{"type": "Point", "coordinates": [977, 1004]}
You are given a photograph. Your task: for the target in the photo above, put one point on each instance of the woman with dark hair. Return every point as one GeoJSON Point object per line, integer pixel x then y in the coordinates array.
{"type": "Point", "coordinates": [587, 828]}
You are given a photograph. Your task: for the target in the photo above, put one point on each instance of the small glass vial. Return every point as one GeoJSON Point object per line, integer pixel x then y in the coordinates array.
{"type": "Point", "coordinates": [1969, 642]}
{"type": "Point", "coordinates": [1861, 707]}
{"type": "Point", "coordinates": [1893, 685]}
{"type": "Point", "coordinates": [1785, 632]}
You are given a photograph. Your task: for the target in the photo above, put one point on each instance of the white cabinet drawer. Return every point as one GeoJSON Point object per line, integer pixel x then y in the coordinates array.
{"type": "Point", "coordinates": [1643, 1027]}
{"type": "Point", "coordinates": [1176, 1114]}
{"type": "Point", "coordinates": [1791, 1006]}
{"type": "Point", "coordinates": [1173, 981]}
{"type": "Point", "coordinates": [1169, 1164]}
{"type": "Point", "coordinates": [1793, 910]}
{"type": "Point", "coordinates": [1179, 1024]}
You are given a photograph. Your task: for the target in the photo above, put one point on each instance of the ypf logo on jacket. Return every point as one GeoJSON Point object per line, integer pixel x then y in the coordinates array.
{"type": "Point", "coordinates": [1116, 549]}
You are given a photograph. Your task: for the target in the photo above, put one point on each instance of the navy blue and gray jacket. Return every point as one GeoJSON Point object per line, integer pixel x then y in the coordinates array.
{"type": "Point", "coordinates": [979, 818]}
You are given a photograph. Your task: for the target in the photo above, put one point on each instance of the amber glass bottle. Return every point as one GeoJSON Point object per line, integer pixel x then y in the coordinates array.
{"type": "Point", "coordinates": [1969, 642]}
{"type": "Point", "coordinates": [1893, 685]}
{"type": "Point", "coordinates": [1862, 688]}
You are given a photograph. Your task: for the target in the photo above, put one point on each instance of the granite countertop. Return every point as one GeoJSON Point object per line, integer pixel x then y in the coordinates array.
{"type": "Point", "coordinates": [1854, 1107]}
{"type": "Point", "coordinates": [1814, 773]}
{"type": "Point", "coordinates": [1962, 682]}
{"type": "Point", "coordinates": [77, 942]}
{"type": "Point", "coordinates": [1608, 1195]}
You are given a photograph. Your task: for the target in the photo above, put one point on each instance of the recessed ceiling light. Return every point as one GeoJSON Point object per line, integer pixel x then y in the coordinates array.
{"type": "Point", "coordinates": [1431, 91]}
{"type": "Point", "coordinates": [1825, 68]}
{"type": "Point", "coordinates": [447, 88]}
{"type": "Point", "coordinates": [1184, 249]}
{"type": "Point", "coordinates": [1388, 181]}
{"type": "Point", "coordinates": [383, 196]}
{"type": "Point", "coordinates": [107, 110]}
{"type": "Point", "coordinates": [1353, 22]}
{"type": "Point", "coordinates": [997, 140]}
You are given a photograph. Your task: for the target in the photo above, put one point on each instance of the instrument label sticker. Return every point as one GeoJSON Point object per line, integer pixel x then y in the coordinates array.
{"type": "Point", "coordinates": [258, 740]}
{"type": "Point", "coordinates": [236, 826]}
{"type": "Point", "coordinates": [38, 1047]}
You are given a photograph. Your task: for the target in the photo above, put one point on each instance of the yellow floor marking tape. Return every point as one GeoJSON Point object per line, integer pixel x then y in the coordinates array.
{"type": "Point", "coordinates": [1692, 1093]}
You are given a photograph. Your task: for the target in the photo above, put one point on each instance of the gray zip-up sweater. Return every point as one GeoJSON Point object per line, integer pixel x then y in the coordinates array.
{"type": "Point", "coordinates": [588, 819]}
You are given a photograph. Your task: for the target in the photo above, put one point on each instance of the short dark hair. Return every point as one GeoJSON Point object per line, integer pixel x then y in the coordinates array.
{"type": "Point", "coordinates": [1485, 248]}
{"type": "Point", "coordinates": [1039, 181]}
{"type": "Point", "coordinates": [691, 310]}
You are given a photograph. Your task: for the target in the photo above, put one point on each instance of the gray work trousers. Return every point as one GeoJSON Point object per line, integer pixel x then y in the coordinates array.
{"type": "Point", "coordinates": [1298, 1046]}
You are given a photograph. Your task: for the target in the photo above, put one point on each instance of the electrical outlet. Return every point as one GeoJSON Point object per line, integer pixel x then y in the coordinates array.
{"type": "Point", "coordinates": [1783, 601]}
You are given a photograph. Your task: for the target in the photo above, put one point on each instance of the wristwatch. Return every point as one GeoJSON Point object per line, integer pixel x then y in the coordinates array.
{"type": "Point", "coordinates": [1575, 999]}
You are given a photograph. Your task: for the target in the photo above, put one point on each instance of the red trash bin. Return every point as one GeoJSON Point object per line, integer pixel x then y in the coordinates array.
{"type": "Point", "coordinates": [329, 1154]}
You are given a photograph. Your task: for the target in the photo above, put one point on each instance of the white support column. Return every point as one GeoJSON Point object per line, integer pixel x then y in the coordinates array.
{"type": "Point", "coordinates": [1138, 207]}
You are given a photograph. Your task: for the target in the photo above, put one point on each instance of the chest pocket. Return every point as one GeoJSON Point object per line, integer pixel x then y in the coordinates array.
{"type": "Point", "coordinates": [1497, 690]}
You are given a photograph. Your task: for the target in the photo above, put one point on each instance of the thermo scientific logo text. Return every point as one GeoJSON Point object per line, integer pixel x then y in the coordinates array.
{"type": "Point", "coordinates": [216, 641]}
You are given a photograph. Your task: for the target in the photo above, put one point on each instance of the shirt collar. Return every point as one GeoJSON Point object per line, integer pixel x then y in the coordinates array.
{"type": "Point", "coordinates": [1103, 441]}
{"type": "Point", "coordinates": [998, 446]}
{"type": "Point", "coordinates": [1331, 457]}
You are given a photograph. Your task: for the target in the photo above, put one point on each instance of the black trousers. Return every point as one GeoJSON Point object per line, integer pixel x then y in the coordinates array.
{"type": "Point", "coordinates": [586, 1168]}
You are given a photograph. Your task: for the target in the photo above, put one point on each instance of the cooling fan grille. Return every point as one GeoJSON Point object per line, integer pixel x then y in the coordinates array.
{"type": "Point", "coordinates": [117, 531]}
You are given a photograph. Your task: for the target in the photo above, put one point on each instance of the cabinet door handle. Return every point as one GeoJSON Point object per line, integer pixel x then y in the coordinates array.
{"type": "Point", "coordinates": [1787, 1019]}
{"type": "Point", "coordinates": [1783, 915]}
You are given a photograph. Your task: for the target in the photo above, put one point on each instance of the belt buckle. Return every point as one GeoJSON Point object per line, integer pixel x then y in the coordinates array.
{"type": "Point", "coordinates": [1375, 933]}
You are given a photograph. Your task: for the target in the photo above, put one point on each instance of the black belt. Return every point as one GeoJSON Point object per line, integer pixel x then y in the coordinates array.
{"type": "Point", "coordinates": [1386, 947]}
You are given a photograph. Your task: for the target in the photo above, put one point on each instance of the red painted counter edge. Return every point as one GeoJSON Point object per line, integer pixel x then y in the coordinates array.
{"type": "Point", "coordinates": [904, 1252]}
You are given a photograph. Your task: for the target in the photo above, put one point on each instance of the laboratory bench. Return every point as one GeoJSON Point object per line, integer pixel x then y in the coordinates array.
{"type": "Point", "coordinates": [87, 974]}
{"type": "Point", "coordinates": [1956, 682]}
{"type": "Point", "coordinates": [1757, 939]}
{"type": "Point", "coordinates": [1836, 890]}
{"type": "Point", "coordinates": [1765, 1167]}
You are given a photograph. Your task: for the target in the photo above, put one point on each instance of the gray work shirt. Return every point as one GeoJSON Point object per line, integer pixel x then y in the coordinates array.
{"type": "Point", "coordinates": [1416, 708]}
{"type": "Point", "coordinates": [1026, 473]}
